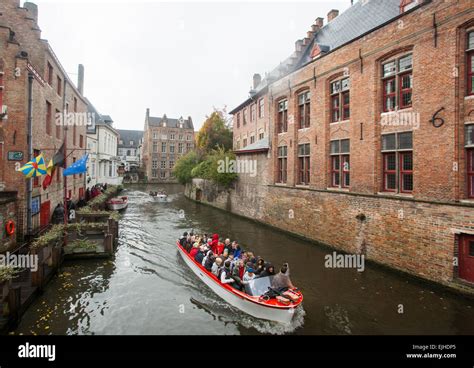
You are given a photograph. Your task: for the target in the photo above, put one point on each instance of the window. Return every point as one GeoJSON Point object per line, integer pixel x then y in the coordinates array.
{"type": "Point", "coordinates": [252, 139]}
{"type": "Point", "coordinates": [171, 164]}
{"type": "Point", "coordinates": [163, 164]}
{"type": "Point", "coordinates": [340, 100]}
{"type": "Point", "coordinates": [303, 163]}
{"type": "Point", "coordinates": [282, 164]}
{"type": "Point", "coordinates": [171, 148]}
{"type": "Point", "coordinates": [155, 135]}
{"type": "Point", "coordinates": [58, 125]}
{"type": "Point", "coordinates": [253, 112]}
{"type": "Point", "coordinates": [238, 120]}
{"type": "Point", "coordinates": [81, 141]}
{"type": "Point", "coordinates": [132, 143]}
{"type": "Point", "coordinates": [397, 81]}
{"type": "Point", "coordinates": [188, 138]}
{"type": "Point", "coordinates": [244, 143]}
{"type": "Point", "coordinates": [245, 116]}
{"type": "Point", "coordinates": [397, 152]}
{"type": "Point", "coordinates": [340, 163]}
{"type": "Point", "coordinates": [180, 147]}
{"type": "Point", "coordinates": [261, 108]}
{"type": "Point", "coordinates": [172, 136]}
{"type": "Point", "coordinates": [470, 159]}
{"type": "Point", "coordinates": [163, 147]}
{"type": "Point", "coordinates": [189, 147]}
{"type": "Point", "coordinates": [163, 175]}
{"type": "Point", "coordinates": [304, 110]}
{"type": "Point", "coordinates": [50, 74]}
{"type": "Point", "coordinates": [75, 104]}
{"type": "Point", "coordinates": [261, 136]}
{"type": "Point", "coordinates": [59, 85]}
{"type": "Point", "coordinates": [470, 63]}
{"type": "Point", "coordinates": [48, 117]}
{"type": "Point", "coordinates": [155, 147]}
{"type": "Point", "coordinates": [283, 116]}
{"type": "Point", "coordinates": [154, 173]}
{"type": "Point", "coordinates": [181, 137]}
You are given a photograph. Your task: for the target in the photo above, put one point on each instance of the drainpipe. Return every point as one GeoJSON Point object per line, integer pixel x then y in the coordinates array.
{"type": "Point", "coordinates": [29, 183]}
{"type": "Point", "coordinates": [65, 124]}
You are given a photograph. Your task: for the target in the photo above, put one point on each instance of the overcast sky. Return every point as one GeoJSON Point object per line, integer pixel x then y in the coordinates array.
{"type": "Point", "coordinates": [180, 57]}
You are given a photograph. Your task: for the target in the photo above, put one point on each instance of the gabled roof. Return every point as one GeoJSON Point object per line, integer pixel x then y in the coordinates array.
{"type": "Point", "coordinates": [130, 135]}
{"type": "Point", "coordinates": [170, 122]}
{"type": "Point", "coordinates": [100, 119]}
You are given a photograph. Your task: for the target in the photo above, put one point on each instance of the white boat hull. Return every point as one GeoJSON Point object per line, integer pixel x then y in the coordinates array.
{"type": "Point", "coordinates": [117, 207]}
{"type": "Point", "coordinates": [254, 309]}
{"type": "Point", "coordinates": [160, 198]}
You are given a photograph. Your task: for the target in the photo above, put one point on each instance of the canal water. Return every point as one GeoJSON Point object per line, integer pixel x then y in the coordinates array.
{"type": "Point", "coordinates": [147, 288]}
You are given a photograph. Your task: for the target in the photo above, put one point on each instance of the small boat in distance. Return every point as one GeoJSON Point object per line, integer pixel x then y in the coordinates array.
{"type": "Point", "coordinates": [257, 304]}
{"type": "Point", "coordinates": [160, 196]}
{"type": "Point", "coordinates": [117, 203]}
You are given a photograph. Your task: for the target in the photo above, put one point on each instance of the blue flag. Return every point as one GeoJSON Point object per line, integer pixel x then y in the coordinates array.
{"type": "Point", "coordinates": [77, 167]}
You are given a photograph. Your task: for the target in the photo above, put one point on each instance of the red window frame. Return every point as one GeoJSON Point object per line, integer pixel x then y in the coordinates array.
{"type": "Point", "coordinates": [238, 120]}
{"type": "Point", "coordinates": [49, 111]}
{"type": "Point", "coordinates": [345, 172]}
{"type": "Point", "coordinates": [261, 108]}
{"type": "Point", "coordinates": [58, 126]}
{"type": "Point", "coordinates": [244, 116]}
{"type": "Point", "coordinates": [335, 171]}
{"type": "Point", "coordinates": [36, 182]}
{"type": "Point", "coordinates": [50, 74]}
{"type": "Point", "coordinates": [391, 95]}
{"type": "Point", "coordinates": [346, 106]}
{"type": "Point", "coordinates": [304, 110]}
{"type": "Point", "coordinates": [59, 86]}
{"type": "Point", "coordinates": [470, 172]}
{"type": "Point", "coordinates": [282, 169]}
{"type": "Point", "coordinates": [405, 172]}
{"type": "Point", "coordinates": [402, 91]}
{"type": "Point", "coordinates": [387, 171]}
{"type": "Point", "coordinates": [470, 73]}
{"type": "Point", "coordinates": [304, 168]}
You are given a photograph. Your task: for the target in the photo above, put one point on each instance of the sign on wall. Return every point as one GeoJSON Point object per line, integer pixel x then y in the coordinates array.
{"type": "Point", "coordinates": [35, 205]}
{"type": "Point", "coordinates": [15, 156]}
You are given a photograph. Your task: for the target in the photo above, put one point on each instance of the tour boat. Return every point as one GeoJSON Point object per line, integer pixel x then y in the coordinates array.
{"type": "Point", "coordinates": [255, 305]}
{"type": "Point", "coordinates": [118, 203]}
{"type": "Point", "coordinates": [160, 197]}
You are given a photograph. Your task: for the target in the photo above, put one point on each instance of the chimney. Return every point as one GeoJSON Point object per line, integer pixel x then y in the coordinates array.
{"type": "Point", "coordinates": [80, 79]}
{"type": "Point", "coordinates": [32, 10]}
{"type": "Point", "coordinates": [256, 80]}
{"type": "Point", "coordinates": [299, 46]}
{"type": "Point", "coordinates": [147, 113]}
{"type": "Point", "coordinates": [319, 22]}
{"type": "Point", "coordinates": [332, 14]}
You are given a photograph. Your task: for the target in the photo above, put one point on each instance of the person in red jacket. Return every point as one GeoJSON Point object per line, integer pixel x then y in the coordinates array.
{"type": "Point", "coordinates": [220, 248]}
{"type": "Point", "coordinates": [215, 243]}
{"type": "Point", "coordinates": [194, 251]}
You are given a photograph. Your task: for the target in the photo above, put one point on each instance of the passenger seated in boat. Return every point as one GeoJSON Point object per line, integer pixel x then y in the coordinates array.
{"type": "Point", "coordinates": [200, 254]}
{"type": "Point", "coordinates": [238, 273]}
{"type": "Point", "coordinates": [282, 280]}
{"type": "Point", "coordinates": [216, 266]}
{"type": "Point", "coordinates": [194, 250]}
{"type": "Point", "coordinates": [214, 243]}
{"type": "Point", "coordinates": [235, 249]}
{"type": "Point", "coordinates": [227, 245]}
{"type": "Point", "coordinates": [225, 275]}
{"type": "Point", "coordinates": [182, 240]}
{"type": "Point", "coordinates": [208, 260]}
{"type": "Point", "coordinates": [225, 253]}
{"type": "Point", "coordinates": [248, 276]}
{"type": "Point", "coordinates": [189, 243]}
{"type": "Point", "coordinates": [260, 267]}
{"type": "Point", "coordinates": [269, 270]}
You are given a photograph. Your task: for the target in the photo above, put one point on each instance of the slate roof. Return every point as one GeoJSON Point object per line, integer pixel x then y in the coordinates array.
{"type": "Point", "coordinates": [170, 122]}
{"type": "Point", "coordinates": [261, 145]}
{"type": "Point", "coordinates": [357, 20]}
{"type": "Point", "coordinates": [360, 18]}
{"type": "Point", "coordinates": [130, 135]}
{"type": "Point", "coordinates": [99, 118]}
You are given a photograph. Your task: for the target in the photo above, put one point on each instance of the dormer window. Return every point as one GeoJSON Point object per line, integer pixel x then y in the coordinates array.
{"type": "Point", "coordinates": [406, 5]}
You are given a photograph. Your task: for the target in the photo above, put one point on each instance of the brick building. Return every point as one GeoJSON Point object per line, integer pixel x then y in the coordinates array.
{"type": "Point", "coordinates": [371, 127]}
{"type": "Point", "coordinates": [165, 140]}
{"type": "Point", "coordinates": [25, 56]}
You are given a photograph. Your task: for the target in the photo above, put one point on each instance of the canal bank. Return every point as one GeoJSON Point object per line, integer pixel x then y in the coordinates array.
{"type": "Point", "coordinates": [147, 289]}
{"type": "Point", "coordinates": [419, 238]}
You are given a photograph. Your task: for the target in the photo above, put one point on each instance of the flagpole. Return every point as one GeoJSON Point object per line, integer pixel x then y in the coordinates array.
{"type": "Point", "coordinates": [29, 183]}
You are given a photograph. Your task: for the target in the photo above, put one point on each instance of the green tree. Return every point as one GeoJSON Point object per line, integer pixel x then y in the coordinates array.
{"type": "Point", "coordinates": [214, 133]}
{"type": "Point", "coordinates": [184, 166]}
{"type": "Point", "coordinates": [220, 167]}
